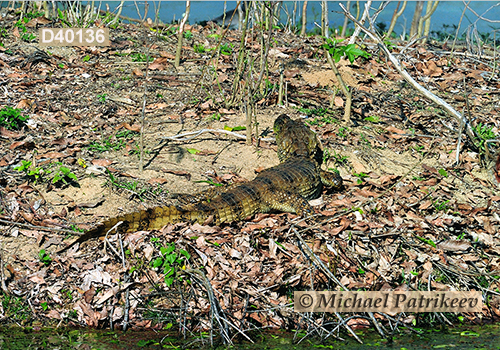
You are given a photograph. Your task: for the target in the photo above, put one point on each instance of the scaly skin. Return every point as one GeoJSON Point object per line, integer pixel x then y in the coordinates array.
{"type": "Point", "coordinates": [286, 187]}
{"type": "Point", "coordinates": [294, 138]}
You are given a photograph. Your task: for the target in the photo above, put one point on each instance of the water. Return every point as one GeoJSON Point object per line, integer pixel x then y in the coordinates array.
{"type": "Point", "coordinates": [448, 13]}
{"type": "Point", "coordinates": [462, 337]}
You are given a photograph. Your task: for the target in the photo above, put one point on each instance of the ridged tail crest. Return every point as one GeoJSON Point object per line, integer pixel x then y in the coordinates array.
{"type": "Point", "coordinates": [149, 219]}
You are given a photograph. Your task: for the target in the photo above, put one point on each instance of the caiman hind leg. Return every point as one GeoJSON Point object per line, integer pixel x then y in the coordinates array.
{"type": "Point", "coordinates": [289, 202]}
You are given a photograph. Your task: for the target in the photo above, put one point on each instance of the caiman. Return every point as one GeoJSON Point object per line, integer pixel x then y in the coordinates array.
{"type": "Point", "coordinates": [286, 187]}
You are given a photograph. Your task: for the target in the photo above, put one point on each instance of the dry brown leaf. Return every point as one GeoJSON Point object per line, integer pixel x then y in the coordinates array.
{"type": "Point", "coordinates": [425, 205]}
{"type": "Point", "coordinates": [339, 102]}
{"type": "Point", "coordinates": [454, 245]}
{"type": "Point", "coordinates": [137, 72]}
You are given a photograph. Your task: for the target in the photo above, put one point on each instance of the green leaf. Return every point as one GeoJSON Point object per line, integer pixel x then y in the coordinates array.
{"type": "Point", "coordinates": [426, 240]}
{"type": "Point", "coordinates": [236, 128]}
{"type": "Point", "coordinates": [469, 334]}
{"type": "Point", "coordinates": [170, 248]}
{"type": "Point", "coordinates": [193, 151]}
{"type": "Point", "coordinates": [169, 272]}
{"type": "Point", "coordinates": [171, 258]}
{"type": "Point", "coordinates": [337, 55]}
{"type": "Point", "coordinates": [185, 253]}
{"type": "Point", "coordinates": [158, 262]}
{"type": "Point", "coordinates": [443, 172]}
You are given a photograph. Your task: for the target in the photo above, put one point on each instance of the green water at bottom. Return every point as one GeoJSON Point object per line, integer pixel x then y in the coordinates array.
{"type": "Point", "coordinates": [463, 337]}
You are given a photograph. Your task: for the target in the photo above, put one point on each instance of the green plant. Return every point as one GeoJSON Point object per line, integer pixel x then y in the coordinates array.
{"type": "Point", "coordinates": [126, 134]}
{"type": "Point", "coordinates": [215, 116]}
{"type": "Point", "coordinates": [65, 175]}
{"type": "Point", "coordinates": [15, 308]}
{"type": "Point", "coordinates": [320, 112]}
{"type": "Point", "coordinates": [326, 155]}
{"type": "Point", "coordinates": [140, 57]}
{"type": "Point", "coordinates": [361, 177]}
{"type": "Point", "coordinates": [188, 35]}
{"type": "Point", "coordinates": [68, 294]}
{"type": "Point", "coordinates": [226, 49]}
{"type": "Point", "coordinates": [86, 58]}
{"type": "Point", "coordinates": [338, 158]}
{"type": "Point", "coordinates": [106, 145]}
{"type": "Point", "coordinates": [373, 119]}
{"type": "Point", "coordinates": [102, 98]}
{"type": "Point", "coordinates": [44, 305]}
{"type": "Point", "coordinates": [343, 132]}
{"type": "Point", "coordinates": [132, 186]}
{"type": "Point", "coordinates": [199, 48]}
{"type": "Point", "coordinates": [12, 118]}
{"type": "Point", "coordinates": [365, 140]}
{"type": "Point", "coordinates": [338, 51]}
{"type": "Point", "coordinates": [443, 172]}
{"type": "Point", "coordinates": [25, 36]}
{"type": "Point", "coordinates": [419, 149]}
{"type": "Point", "coordinates": [44, 257]}
{"type": "Point", "coordinates": [171, 262]}
{"type": "Point", "coordinates": [77, 229]}
{"type": "Point", "coordinates": [28, 37]}
{"type": "Point", "coordinates": [34, 173]}
{"type": "Point", "coordinates": [321, 122]}
{"type": "Point", "coordinates": [440, 206]}
{"type": "Point", "coordinates": [235, 128]}
{"type": "Point", "coordinates": [484, 133]}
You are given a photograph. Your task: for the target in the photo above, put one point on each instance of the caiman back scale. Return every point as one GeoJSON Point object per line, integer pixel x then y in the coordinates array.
{"type": "Point", "coordinates": [286, 187]}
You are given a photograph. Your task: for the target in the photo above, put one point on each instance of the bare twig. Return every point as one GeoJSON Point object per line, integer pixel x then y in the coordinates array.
{"type": "Point", "coordinates": [35, 227]}
{"type": "Point", "coordinates": [191, 135]}
{"type": "Point", "coordinates": [304, 19]}
{"type": "Point", "coordinates": [215, 309]}
{"type": "Point", "coordinates": [343, 87]}
{"type": "Point", "coordinates": [359, 24]}
{"type": "Point", "coordinates": [180, 34]}
{"type": "Point", "coordinates": [143, 112]}
{"type": "Point", "coordinates": [480, 17]}
{"type": "Point", "coordinates": [317, 261]}
{"type": "Point", "coordinates": [458, 28]}
{"type": "Point", "coordinates": [395, 16]}
{"type": "Point", "coordinates": [410, 79]}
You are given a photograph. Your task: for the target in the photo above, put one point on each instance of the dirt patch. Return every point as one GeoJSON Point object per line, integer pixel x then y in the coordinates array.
{"type": "Point", "coordinates": [324, 76]}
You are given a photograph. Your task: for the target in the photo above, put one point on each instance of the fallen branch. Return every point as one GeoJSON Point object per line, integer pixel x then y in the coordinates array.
{"type": "Point", "coordinates": [191, 135]}
{"type": "Point", "coordinates": [317, 261]}
{"type": "Point", "coordinates": [460, 119]}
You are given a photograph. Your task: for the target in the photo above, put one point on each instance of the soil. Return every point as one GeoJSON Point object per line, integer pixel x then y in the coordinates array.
{"type": "Point", "coordinates": [398, 142]}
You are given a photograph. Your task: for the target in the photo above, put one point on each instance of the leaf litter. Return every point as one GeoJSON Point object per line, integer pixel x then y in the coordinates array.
{"type": "Point", "coordinates": [407, 219]}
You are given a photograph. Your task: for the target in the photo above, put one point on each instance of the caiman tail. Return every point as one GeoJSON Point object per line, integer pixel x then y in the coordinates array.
{"type": "Point", "coordinates": [144, 220]}
{"type": "Point", "coordinates": [150, 219]}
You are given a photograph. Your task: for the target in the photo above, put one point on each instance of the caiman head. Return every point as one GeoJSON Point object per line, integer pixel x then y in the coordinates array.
{"type": "Point", "coordinates": [294, 139]}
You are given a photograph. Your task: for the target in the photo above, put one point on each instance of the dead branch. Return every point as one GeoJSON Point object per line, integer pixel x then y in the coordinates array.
{"type": "Point", "coordinates": [180, 34]}
{"type": "Point", "coordinates": [191, 135]}
{"type": "Point", "coordinates": [317, 261]}
{"type": "Point", "coordinates": [440, 102]}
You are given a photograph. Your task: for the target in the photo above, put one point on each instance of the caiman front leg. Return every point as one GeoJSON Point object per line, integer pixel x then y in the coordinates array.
{"type": "Point", "coordinates": [288, 202]}
{"type": "Point", "coordinates": [331, 179]}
